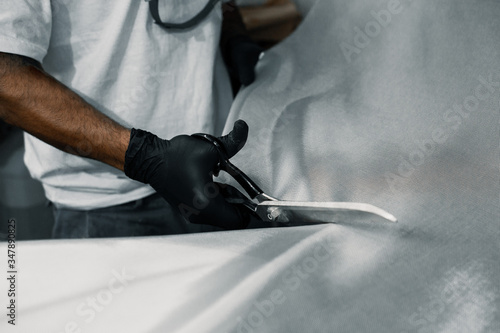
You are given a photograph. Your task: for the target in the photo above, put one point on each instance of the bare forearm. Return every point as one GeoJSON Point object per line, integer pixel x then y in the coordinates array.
{"type": "Point", "coordinates": [42, 106]}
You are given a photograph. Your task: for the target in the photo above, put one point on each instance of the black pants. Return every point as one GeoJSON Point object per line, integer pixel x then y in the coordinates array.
{"type": "Point", "coordinates": [144, 217]}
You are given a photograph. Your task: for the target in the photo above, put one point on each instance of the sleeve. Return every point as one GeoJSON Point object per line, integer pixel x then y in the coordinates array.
{"type": "Point", "coordinates": [25, 27]}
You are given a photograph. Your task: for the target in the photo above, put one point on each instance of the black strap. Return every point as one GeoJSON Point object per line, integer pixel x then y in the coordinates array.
{"type": "Point", "coordinates": [153, 8]}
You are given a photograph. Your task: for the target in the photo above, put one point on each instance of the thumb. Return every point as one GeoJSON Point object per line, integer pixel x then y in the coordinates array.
{"type": "Point", "coordinates": [236, 139]}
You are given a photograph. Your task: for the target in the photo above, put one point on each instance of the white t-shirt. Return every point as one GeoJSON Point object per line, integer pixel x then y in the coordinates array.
{"type": "Point", "coordinates": [113, 55]}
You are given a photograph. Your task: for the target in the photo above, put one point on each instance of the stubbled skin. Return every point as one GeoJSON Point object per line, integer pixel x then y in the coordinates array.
{"type": "Point", "coordinates": [40, 105]}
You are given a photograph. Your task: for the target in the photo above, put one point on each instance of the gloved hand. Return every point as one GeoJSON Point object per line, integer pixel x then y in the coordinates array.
{"type": "Point", "coordinates": [180, 170]}
{"type": "Point", "coordinates": [243, 54]}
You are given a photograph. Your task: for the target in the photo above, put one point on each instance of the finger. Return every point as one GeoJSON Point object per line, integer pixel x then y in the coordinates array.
{"type": "Point", "coordinates": [236, 139]}
{"type": "Point", "coordinates": [220, 213]}
{"type": "Point", "coordinates": [231, 193]}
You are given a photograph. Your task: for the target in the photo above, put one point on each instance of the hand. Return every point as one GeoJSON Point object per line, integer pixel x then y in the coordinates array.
{"type": "Point", "coordinates": [180, 170]}
{"type": "Point", "coordinates": [243, 56]}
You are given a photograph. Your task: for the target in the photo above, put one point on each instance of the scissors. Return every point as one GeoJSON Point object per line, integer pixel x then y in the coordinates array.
{"type": "Point", "coordinates": [275, 211]}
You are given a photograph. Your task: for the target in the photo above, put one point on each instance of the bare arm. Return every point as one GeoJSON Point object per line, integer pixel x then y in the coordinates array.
{"type": "Point", "coordinates": [40, 105]}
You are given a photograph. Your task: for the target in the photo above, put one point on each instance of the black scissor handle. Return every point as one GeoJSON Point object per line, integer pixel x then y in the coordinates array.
{"type": "Point", "coordinates": [248, 184]}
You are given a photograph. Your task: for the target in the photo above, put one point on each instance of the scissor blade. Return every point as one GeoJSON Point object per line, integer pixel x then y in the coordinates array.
{"type": "Point", "coordinates": [321, 212]}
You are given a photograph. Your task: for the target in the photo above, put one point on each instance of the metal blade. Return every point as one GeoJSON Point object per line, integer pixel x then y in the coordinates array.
{"type": "Point", "coordinates": [320, 212]}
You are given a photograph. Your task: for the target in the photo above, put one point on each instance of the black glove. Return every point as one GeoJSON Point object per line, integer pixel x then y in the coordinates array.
{"type": "Point", "coordinates": [243, 54]}
{"type": "Point", "coordinates": [181, 170]}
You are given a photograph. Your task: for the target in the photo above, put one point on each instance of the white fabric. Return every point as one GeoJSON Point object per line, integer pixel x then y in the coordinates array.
{"type": "Point", "coordinates": [114, 56]}
{"type": "Point", "coordinates": [393, 103]}
{"type": "Point", "coordinates": [325, 129]}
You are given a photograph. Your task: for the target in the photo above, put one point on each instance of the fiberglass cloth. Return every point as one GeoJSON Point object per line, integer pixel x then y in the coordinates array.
{"type": "Point", "coordinates": [404, 116]}
{"type": "Point", "coordinates": [393, 103]}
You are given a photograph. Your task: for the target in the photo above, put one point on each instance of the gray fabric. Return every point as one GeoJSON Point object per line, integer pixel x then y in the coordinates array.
{"type": "Point", "coordinates": [408, 122]}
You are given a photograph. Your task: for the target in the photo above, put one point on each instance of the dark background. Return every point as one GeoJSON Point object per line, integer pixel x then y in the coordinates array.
{"type": "Point", "coordinates": [21, 197]}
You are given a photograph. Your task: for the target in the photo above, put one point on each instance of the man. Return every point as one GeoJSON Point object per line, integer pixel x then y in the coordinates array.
{"type": "Point", "coordinates": [91, 81]}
